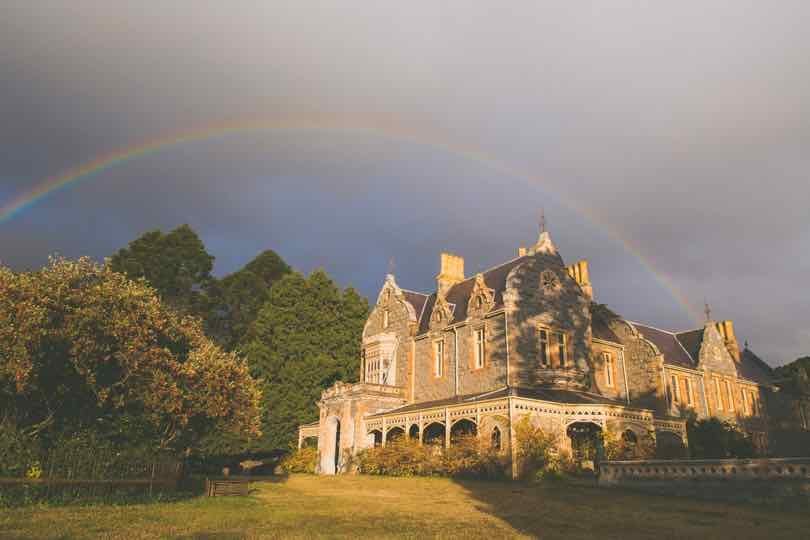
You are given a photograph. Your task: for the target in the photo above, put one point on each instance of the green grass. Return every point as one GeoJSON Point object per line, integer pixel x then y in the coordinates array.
{"type": "Point", "coordinates": [375, 507]}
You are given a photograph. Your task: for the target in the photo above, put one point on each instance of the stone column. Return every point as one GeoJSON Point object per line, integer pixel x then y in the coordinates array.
{"type": "Point", "coordinates": [446, 427]}
{"type": "Point", "coordinates": [513, 439]}
{"type": "Point", "coordinates": [384, 430]}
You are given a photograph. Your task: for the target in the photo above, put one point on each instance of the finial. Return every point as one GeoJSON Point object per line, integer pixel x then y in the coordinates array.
{"type": "Point", "coordinates": [542, 220]}
{"type": "Point", "coordinates": [746, 344]}
{"type": "Point", "coordinates": [391, 265]}
{"type": "Point", "coordinates": [707, 310]}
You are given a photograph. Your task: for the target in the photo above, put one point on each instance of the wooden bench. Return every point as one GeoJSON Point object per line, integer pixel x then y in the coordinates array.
{"type": "Point", "coordinates": [226, 486]}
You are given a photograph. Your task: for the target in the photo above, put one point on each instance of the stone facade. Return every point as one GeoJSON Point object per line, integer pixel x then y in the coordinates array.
{"type": "Point", "coordinates": [525, 339]}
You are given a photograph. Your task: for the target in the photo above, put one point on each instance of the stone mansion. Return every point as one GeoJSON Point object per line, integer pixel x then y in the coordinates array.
{"type": "Point", "coordinates": [526, 339]}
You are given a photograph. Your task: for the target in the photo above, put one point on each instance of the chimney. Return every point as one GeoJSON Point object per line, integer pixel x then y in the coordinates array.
{"type": "Point", "coordinates": [726, 329]}
{"type": "Point", "coordinates": [579, 273]}
{"type": "Point", "coordinates": [452, 272]}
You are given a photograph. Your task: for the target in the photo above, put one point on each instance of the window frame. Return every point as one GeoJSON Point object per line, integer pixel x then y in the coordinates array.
{"type": "Point", "coordinates": [562, 349]}
{"type": "Point", "coordinates": [438, 358]}
{"type": "Point", "coordinates": [674, 390]}
{"type": "Point", "coordinates": [479, 347]}
{"type": "Point", "coordinates": [607, 360]}
{"type": "Point", "coordinates": [543, 349]}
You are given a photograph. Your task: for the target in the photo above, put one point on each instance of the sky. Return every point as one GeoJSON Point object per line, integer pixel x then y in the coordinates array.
{"type": "Point", "coordinates": [668, 143]}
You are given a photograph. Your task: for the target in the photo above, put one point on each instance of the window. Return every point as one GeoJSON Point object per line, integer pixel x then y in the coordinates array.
{"type": "Point", "coordinates": [688, 390]}
{"type": "Point", "coordinates": [438, 358]}
{"type": "Point", "coordinates": [717, 393]}
{"type": "Point", "coordinates": [673, 389]}
{"type": "Point", "coordinates": [561, 349]}
{"type": "Point", "coordinates": [747, 401]}
{"type": "Point", "coordinates": [479, 348]}
{"type": "Point", "coordinates": [544, 347]}
{"type": "Point", "coordinates": [385, 319]}
{"type": "Point", "coordinates": [607, 359]}
{"type": "Point", "coordinates": [730, 396]}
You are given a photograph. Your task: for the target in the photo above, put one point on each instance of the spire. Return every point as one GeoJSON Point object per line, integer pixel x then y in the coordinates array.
{"type": "Point", "coordinates": [707, 310]}
{"type": "Point", "coordinates": [544, 243]}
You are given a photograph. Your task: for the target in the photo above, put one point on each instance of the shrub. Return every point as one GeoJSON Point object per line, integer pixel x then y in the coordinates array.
{"type": "Point", "coordinates": [619, 446]}
{"type": "Point", "coordinates": [303, 460]}
{"type": "Point", "coordinates": [537, 453]}
{"type": "Point", "coordinates": [712, 438]}
{"type": "Point", "coordinates": [19, 452]}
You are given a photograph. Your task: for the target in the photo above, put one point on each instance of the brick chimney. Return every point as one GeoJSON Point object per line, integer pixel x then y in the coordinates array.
{"type": "Point", "coordinates": [726, 329]}
{"type": "Point", "coordinates": [452, 272]}
{"type": "Point", "coordinates": [579, 273]}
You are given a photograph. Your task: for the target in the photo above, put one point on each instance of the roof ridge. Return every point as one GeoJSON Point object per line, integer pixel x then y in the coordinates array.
{"type": "Point", "coordinates": [490, 269]}
{"type": "Point", "coordinates": [414, 292]}
{"type": "Point", "coordinates": [651, 326]}
{"type": "Point", "coordinates": [687, 331]}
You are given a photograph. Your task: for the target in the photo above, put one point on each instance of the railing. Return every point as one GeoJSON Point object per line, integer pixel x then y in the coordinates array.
{"type": "Point", "coordinates": [628, 472]}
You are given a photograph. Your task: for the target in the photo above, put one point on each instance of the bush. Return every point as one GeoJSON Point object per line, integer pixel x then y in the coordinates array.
{"type": "Point", "coordinates": [537, 453]}
{"type": "Point", "coordinates": [713, 438]}
{"type": "Point", "coordinates": [619, 446]}
{"type": "Point", "coordinates": [466, 457]}
{"type": "Point", "coordinates": [19, 452]}
{"type": "Point", "coordinates": [303, 460]}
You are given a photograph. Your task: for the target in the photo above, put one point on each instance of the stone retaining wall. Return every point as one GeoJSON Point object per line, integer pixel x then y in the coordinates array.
{"type": "Point", "coordinates": [728, 479]}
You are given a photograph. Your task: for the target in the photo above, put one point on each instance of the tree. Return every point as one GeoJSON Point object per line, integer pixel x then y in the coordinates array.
{"type": "Point", "coordinates": [240, 295]}
{"type": "Point", "coordinates": [306, 337]}
{"type": "Point", "coordinates": [175, 264]}
{"type": "Point", "coordinates": [85, 348]}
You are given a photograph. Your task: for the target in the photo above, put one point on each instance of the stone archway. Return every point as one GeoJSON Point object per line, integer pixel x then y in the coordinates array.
{"type": "Point", "coordinates": [587, 448]}
{"type": "Point", "coordinates": [394, 434]}
{"type": "Point", "coordinates": [463, 428]}
{"type": "Point", "coordinates": [433, 433]}
{"type": "Point", "coordinates": [374, 438]}
{"type": "Point", "coordinates": [669, 445]}
{"type": "Point", "coordinates": [413, 432]}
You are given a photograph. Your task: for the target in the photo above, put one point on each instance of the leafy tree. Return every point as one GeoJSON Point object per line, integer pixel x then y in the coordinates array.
{"type": "Point", "coordinates": [83, 347]}
{"type": "Point", "coordinates": [795, 376]}
{"type": "Point", "coordinates": [176, 264]}
{"type": "Point", "coordinates": [306, 337]}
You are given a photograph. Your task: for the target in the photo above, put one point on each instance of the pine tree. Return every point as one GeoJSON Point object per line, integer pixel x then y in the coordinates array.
{"type": "Point", "coordinates": [306, 337]}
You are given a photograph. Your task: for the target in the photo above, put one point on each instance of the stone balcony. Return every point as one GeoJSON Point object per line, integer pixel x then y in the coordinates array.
{"type": "Point", "coordinates": [341, 391]}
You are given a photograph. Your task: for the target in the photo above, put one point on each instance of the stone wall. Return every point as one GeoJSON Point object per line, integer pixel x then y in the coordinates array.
{"type": "Point", "coordinates": [644, 365]}
{"type": "Point", "coordinates": [722, 478]}
{"type": "Point", "coordinates": [540, 293]}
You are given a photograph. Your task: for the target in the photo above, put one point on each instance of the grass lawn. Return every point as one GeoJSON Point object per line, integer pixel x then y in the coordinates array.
{"type": "Point", "coordinates": [374, 507]}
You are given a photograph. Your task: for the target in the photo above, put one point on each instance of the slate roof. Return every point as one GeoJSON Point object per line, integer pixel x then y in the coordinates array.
{"type": "Point", "coordinates": [416, 299]}
{"type": "Point", "coordinates": [545, 394]}
{"type": "Point", "coordinates": [601, 330]}
{"type": "Point", "coordinates": [683, 349]}
{"type": "Point", "coordinates": [669, 345]}
{"type": "Point", "coordinates": [458, 296]}
{"type": "Point", "coordinates": [754, 368]}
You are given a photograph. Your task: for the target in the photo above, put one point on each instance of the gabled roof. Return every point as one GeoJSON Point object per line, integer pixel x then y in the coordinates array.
{"type": "Point", "coordinates": [667, 342]}
{"type": "Point", "coordinates": [601, 330]}
{"type": "Point", "coordinates": [753, 368]}
{"type": "Point", "coordinates": [416, 299]}
{"type": "Point", "coordinates": [691, 341]}
{"type": "Point", "coordinates": [458, 296]}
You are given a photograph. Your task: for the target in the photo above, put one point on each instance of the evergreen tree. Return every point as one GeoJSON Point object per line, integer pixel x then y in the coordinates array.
{"type": "Point", "coordinates": [306, 337]}
{"type": "Point", "coordinates": [176, 265]}
{"type": "Point", "coordinates": [239, 296]}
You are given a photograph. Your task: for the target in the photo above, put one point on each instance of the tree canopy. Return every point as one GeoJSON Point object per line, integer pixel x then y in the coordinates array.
{"type": "Point", "coordinates": [306, 337]}
{"type": "Point", "coordinates": [84, 347]}
{"type": "Point", "coordinates": [176, 264]}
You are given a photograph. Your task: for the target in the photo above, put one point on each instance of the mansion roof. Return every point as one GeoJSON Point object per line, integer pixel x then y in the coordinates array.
{"type": "Point", "coordinates": [683, 349]}
{"type": "Point", "coordinates": [543, 394]}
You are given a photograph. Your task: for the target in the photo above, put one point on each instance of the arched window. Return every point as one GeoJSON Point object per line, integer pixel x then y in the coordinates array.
{"type": "Point", "coordinates": [496, 438]}
{"type": "Point", "coordinates": [629, 437]}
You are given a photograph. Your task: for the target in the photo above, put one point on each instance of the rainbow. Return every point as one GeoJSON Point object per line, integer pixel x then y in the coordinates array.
{"type": "Point", "coordinates": [376, 126]}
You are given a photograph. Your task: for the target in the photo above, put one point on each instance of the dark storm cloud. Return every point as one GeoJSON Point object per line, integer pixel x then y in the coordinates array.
{"type": "Point", "coordinates": [682, 128]}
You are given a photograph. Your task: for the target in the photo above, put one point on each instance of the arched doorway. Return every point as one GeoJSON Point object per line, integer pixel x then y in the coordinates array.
{"type": "Point", "coordinates": [463, 428]}
{"type": "Point", "coordinates": [395, 434]}
{"type": "Point", "coordinates": [375, 438]}
{"type": "Point", "coordinates": [669, 445]}
{"type": "Point", "coordinates": [587, 448]}
{"type": "Point", "coordinates": [433, 434]}
{"type": "Point", "coordinates": [413, 432]}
